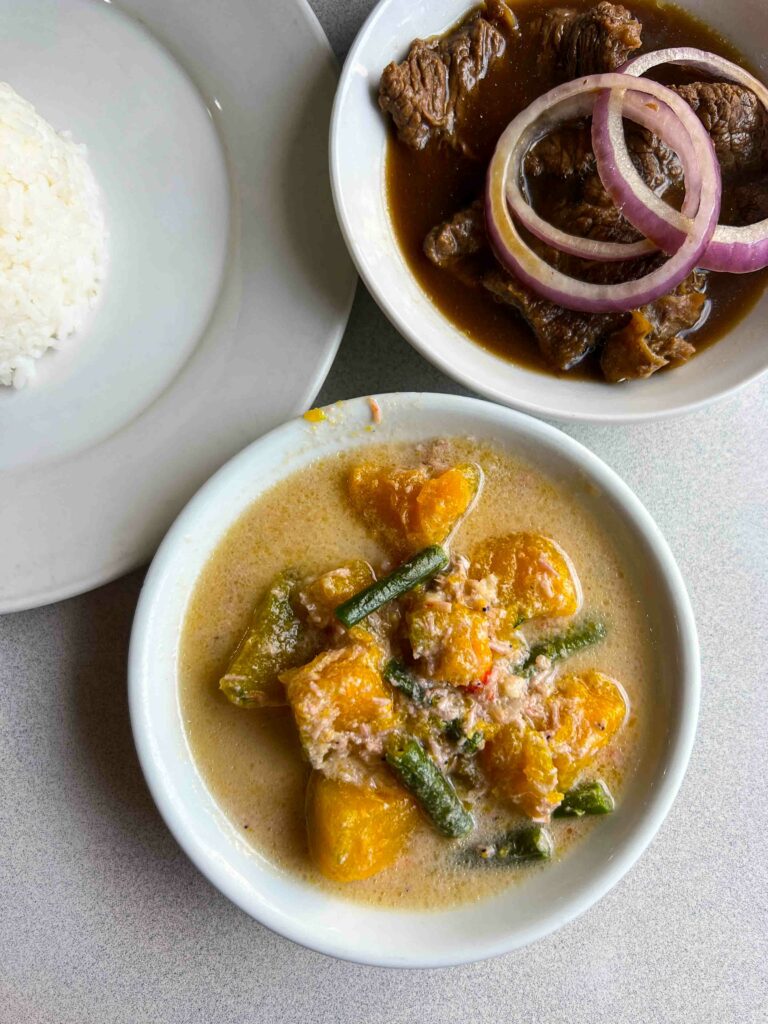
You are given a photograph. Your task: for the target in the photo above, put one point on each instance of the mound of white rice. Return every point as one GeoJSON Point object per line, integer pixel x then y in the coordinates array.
{"type": "Point", "coordinates": [52, 237]}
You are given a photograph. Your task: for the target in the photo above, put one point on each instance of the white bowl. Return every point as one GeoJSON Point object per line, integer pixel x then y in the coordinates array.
{"type": "Point", "coordinates": [544, 900]}
{"type": "Point", "coordinates": [357, 154]}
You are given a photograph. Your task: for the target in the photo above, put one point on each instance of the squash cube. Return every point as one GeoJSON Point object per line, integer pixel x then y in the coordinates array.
{"type": "Point", "coordinates": [409, 509]}
{"type": "Point", "coordinates": [341, 691]}
{"type": "Point", "coordinates": [587, 711]}
{"type": "Point", "coordinates": [535, 576]}
{"type": "Point", "coordinates": [518, 764]}
{"type": "Point", "coordinates": [355, 832]}
{"type": "Point", "coordinates": [323, 595]}
{"type": "Point", "coordinates": [451, 640]}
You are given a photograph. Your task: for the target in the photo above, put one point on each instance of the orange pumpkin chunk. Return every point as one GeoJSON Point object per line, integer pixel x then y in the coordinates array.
{"type": "Point", "coordinates": [323, 595]}
{"type": "Point", "coordinates": [519, 766]}
{"type": "Point", "coordinates": [409, 509]}
{"type": "Point", "coordinates": [587, 710]}
{"type": "Point", "coordinates": [339, 691]}
{"type": "Point", "coordinates": [356, 831]}
{"type": "Point", "coordinates": [450, 641]}
{"type": "Point", "coordinates": [535, 576]}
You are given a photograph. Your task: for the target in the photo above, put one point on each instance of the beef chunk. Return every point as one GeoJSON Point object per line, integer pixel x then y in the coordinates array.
{"type": "Point", "coordinates": [462, 235]}
{"type": "Point", "coordinates": [735, 119]}
{"type": "Point", "coordinates": [749, 202]}
{"type": "Point", "coordinates": [567, 152]}
{"type": "Point", "coordinates": [651, 338]}
{"type": "Point", "coordinates": [632, 353]}
{"type": "Point", "coordinates": [600, 39]}
{"type": "Point", "coordinates": [426, 93]}
{"type": "Point", "coordinates": [636, 345]}
{"type": "Point", "coordinates": [656, 163]}
{"type": "Point", "coordinates": [565, 337]}
{"type": "Point", "coordinates": [681, 309]}
{"type": "Point", "coordinates": [593, 215]}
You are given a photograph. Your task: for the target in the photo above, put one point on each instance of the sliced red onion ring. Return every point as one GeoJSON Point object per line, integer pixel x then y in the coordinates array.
{"type": "Point", "coordinates": [514, 253]}
{"type": "Point", "coordinates": [579, 105]}
{"type": "Point", "coordinates": [735, 250]}
{"type": "Point", "coordinates": [658, 118]}
{"type": "Point", "coordinates": [623, 183]}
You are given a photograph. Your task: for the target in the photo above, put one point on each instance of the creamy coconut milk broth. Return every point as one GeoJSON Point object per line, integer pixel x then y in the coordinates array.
{"type": "Point", "coordinates": [251, 760]}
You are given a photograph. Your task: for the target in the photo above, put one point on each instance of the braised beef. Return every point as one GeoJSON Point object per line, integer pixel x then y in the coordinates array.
{"type": "Point", "coordinates": [592, 214]}
{"type": "Point", "coordinates": [462, 235]}
{"type": "Point", "coordinates": [567, 152]}
{"type": "Point", "coordinates": [630, 354]}
{"type": "Point", "coordinates": [651, 338]}
{"type": "Point", "coordinates": [574, 44]}
{"type": "Point", "coordinates": [501, 13]}
{"type": "Point", "coordinates": [749, 202]}
{"type": "Point", "coordinates": [735, 119]}
{"type": "Point", "coordinates": [634, 345]}
{"type": "Point", "coordinates": [564, 336]}
{"type": "Point", "coordinates": [733, 116]}
{"type": "Point", "coordinates": [656, 163]}
{"type": "Point", "coordinates": [681, 309]}
{"type": "Point", "coordinates": [426, 93]}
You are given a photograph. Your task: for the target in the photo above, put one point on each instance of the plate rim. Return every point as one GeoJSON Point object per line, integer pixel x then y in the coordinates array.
{"type": "Point", "coordinates": [43, 595]}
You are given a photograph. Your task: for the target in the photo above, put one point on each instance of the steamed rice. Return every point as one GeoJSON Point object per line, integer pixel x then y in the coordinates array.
{"type": "Point", "coordinates": [52, 237]}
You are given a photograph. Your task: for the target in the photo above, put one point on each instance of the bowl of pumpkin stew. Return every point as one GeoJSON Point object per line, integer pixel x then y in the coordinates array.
{"type": "Point", "coordinates": [414, 680]}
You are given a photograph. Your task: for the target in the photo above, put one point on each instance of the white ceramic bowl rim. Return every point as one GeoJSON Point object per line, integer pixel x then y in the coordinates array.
{"type": "Point", "coordinates": [357, 145]}
{"type": "Point", "coordinates": [152, 679]}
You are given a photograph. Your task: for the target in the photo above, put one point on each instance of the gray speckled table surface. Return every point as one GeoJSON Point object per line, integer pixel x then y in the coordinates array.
{"type": "Point", "coordinates": [104, 920]}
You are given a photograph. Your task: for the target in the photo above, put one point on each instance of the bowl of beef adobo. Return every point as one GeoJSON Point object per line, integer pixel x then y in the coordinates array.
{"type": "Point", "coordinates": [526, 244]}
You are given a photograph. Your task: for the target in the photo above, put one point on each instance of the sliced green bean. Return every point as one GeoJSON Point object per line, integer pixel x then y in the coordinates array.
{"type": "Point", "coordinates": [517, 847]}
{"type": "Point", "coordinates": [418, 773]}
{"type": "Point", "coordinates": [588, 798]}
{"type": "Point", "coordinates": [418, 569]}
{"type": "Point", "coordinates": [396, 673]}
{"type": "Point", "coordinates": [563, 646]}
{"type": "Point", "coordinates": [276, 639]}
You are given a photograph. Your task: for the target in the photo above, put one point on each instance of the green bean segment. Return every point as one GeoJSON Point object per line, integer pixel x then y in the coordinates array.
{"type": "Point", "coordinates": [516, 847]}
{"type": "Point", "coordinates": [588, 798]}
{"type": "Point", "coordinates": [399, 676]}
{"type": "Point", "coordinates": [563, 646]}
{"type": "Point", "coordinates": [276, 639]}
{"type": "Point", "coordinates": [435, 793]}
{"type": "Point", "coordinates": [418, 569]}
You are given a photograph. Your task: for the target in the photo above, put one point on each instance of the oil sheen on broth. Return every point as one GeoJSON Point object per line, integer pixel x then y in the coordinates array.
{"type": "Point", "coordinates": [251, 760]}
{"type": "Point", "coordinates": [429, 186]}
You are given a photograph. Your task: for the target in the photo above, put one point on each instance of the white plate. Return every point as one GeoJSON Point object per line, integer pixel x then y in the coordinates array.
{"type": "Point", "coordinates": [228, 287]}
